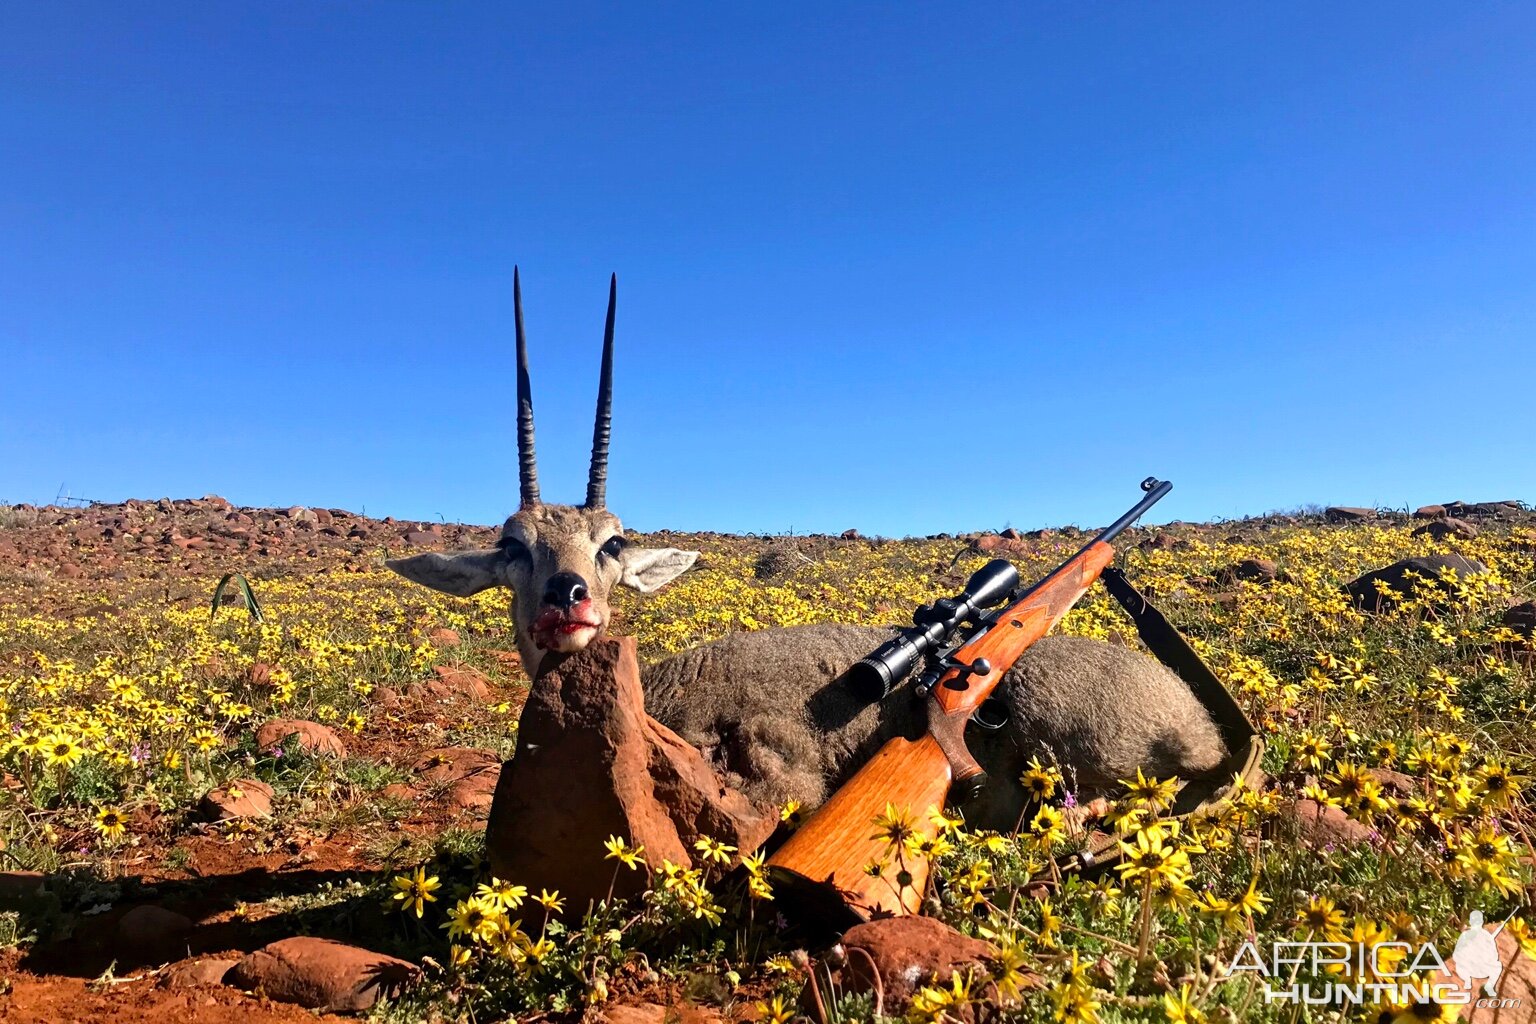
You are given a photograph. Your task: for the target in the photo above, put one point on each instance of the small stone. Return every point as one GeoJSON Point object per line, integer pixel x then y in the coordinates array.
{"type": "Point", "coordinates": [152, 934]}
{"type": "Point", "coordinates": [1253, 570]}
{"type": "Point", "coordinates": [449, 765]}
{"type": "Point", "coordinates": [997, 544]}
{"type": "Point", "coordinates": [655, 1013]}
{"type": "Point", "coordinates": [1522, 618]}
{"type": "Point", "coordinates": [444, 637]}
{"type": "Point", "coordinates": [196, 973]}
{"type": "Point", "coordinates": [1348, 514]}
{"type": "Point", "coordinates": [421, 539]}
{"type": "Point", "coordinates": [459, 681]}
{"type": "Point", "coordinates": [309, 736]}
{"type": "Point", "coordinates": [323, 975]}
{"type": "Point", "coordinates": [243, 798]}
{"type": "Point", "coordinates": [908, 953]}
{"type": "Point", "coordinates": [850, 535]}
{"type": "Point", "coordinates": [1325, 826]}
{"type": "Point", "coordinates": [17, 887]}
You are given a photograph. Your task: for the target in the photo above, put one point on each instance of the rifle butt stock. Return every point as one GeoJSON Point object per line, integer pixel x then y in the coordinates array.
{"type": "Point", "coordinates": [821, 868]}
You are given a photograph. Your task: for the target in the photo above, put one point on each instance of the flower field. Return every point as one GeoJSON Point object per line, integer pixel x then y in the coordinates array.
{"type": "Point", "coordinates": [127, 703]}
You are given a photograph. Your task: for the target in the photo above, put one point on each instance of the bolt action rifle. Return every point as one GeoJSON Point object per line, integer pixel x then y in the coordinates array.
{"type": "Point", "coordinates": [827, 862]}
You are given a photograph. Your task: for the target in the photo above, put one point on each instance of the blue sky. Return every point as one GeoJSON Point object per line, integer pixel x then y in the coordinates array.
{"type": "Point", "coordinates": [908, 268]}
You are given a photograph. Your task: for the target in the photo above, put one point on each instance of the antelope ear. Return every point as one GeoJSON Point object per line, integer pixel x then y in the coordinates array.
{"type": "Point", "coordinates": [461, 574]}
{"type": "Point", "coordinates": [645, 569]}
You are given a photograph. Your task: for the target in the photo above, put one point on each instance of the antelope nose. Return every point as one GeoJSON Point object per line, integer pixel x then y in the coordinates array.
{"type": "Point", "coordinates": [565, 590]}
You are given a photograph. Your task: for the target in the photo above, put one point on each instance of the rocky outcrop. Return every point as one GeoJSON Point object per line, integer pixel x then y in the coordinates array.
{"type": "Point", "coordinates": [1395, 578]}
{"type": "Point", "coordinates": [584, 733]}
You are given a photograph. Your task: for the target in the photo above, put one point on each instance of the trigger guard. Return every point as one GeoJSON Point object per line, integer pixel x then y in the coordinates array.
{"type": "Point", "coordinates": [998, 715]}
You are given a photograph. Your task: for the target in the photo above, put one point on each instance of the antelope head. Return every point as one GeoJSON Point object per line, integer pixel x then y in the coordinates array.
{"type": "Point", "coordinates": [560, 561]}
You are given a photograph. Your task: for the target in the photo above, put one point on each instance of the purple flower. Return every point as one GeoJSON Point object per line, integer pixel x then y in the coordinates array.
{"type": "Point", "coordinates": [139, 754]}
{"type": "Point", "coordinates": [1069, 799]}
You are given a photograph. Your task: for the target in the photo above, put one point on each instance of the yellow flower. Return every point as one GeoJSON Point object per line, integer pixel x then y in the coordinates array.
{"type": "Point", "coordinates": [894, 826]}
{"type": "Point", "coordinates": [790, 813]}
{"type": "Point", "coordinates": [622, 852]}
{"type": "Point", "coordinates": [1150, 858]}
{"type": "Point", "coordinates": [1040, 782]}
{"type": "Point", "coordinates": [714, 850]}
{"type": "Point", "coordinates": [62, 750]}
{"type": "Point", "coordinates": [111, 822]}
{"type": "Point", "coordinates": [1178, 1008]}
{"type": "Point", "coordinates": [414, 891]}
{"type": "Point", "coordinates": [775, 1011]}
{"type": "Point", "coordinates": [551, 900]}
{"type": "Point", "coordinates": [1321, 917]}
{"type": "Point", "coordinates": [502, 895]}
{"type": "Point", "coordinates": [1151, 793]}
{"type": "Point", "coordinates": [474, 919]}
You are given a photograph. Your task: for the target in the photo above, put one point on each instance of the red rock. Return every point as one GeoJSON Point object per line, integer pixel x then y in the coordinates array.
{"type": "Point", "coordinates": [1348, 514]}
{"type": "Point", "coordinates": [1522, 618]}
{"type": "Point", "coordinates": [1441, 529]}
{"type": "Point", "coordinates": [421, 538]}
{"type": "Point", "coordinates": [993, 544]}
{"type": "Point", "coordinates": [196, 973]}
{"type": "Point", "coordinates": [444, 637]}
{"type": "Point", "coordinates": [1324, 827]}
{"type": "Point", "coordinates": [459, 681]}
{"type": "Point", "coordinates": [1162, 542]}
{"type": "Point", "coordinates": [1430, 568]}
{"type": "Point", "coordinates": [850, 535]}
{"type": "Point", "coordinates": [398, 791]}
{"type": "Point", "coordinates": [1253, 570]}
{"type": "Point", "coordinates": [655, 1013]}
{"type": "Point", "coordinates": [475, 793]}
{"type": "Point", "coordinates": [323, 975]}
{"type": "Point", "coordinates": [386, 697]}
{"type": "Point", "coordinates": [507, 659]}
{"type": "Point", "coordinates": [447, 765]}
{"type": "Point", "coordinates": [17, 887]}
{"type": "Point", "coordinates": [243, 798]}
{"type": "Point", "coordinates": [908, 953]}
{"type": "Point", "coordinates": [584, 731]}
{"type": "Point", "coordinates": [151, 934]}
{"type": "Point", "coordinates": [310, 736]}
{"type": "Point", "coordinates": [1429, 512]}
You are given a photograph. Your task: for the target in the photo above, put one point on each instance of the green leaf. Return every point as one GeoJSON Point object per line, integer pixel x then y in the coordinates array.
{"type": "Point", "coordinates": [251, 604]}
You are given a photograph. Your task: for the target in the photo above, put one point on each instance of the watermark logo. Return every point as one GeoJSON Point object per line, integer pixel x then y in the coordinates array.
{"type": "Point", "coordinates": [1477, 955]}
{"type": "Point", "coordinates": [1374, 969]}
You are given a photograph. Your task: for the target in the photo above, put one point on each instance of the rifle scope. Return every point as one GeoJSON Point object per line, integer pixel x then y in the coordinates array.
{"type": "Point", "coordinates": [889, 663]}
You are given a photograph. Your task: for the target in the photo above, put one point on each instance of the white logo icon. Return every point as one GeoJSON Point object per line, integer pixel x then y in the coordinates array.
{"type": "Point", "coordinates": [1477, 954]}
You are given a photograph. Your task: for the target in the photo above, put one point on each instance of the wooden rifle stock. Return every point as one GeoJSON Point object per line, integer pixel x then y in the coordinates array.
{"type": "Point", "coordinates": [824, 862]}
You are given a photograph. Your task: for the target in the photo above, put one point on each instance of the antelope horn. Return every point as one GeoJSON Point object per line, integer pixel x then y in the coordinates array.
{"type": "Point", "coordinates": [527, 465]}
{"type": "Point", "coordinates": [597, 476]}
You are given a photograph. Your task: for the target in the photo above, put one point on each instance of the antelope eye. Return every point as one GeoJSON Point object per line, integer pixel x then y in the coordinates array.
{"type": "Point", "coordinates": [512, 548]}
{"type": "Point", "coordinates": [613, 546]}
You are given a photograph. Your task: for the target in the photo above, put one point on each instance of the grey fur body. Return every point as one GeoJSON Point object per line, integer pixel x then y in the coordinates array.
{"type": "Point", "coordinates": [770, 710]}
